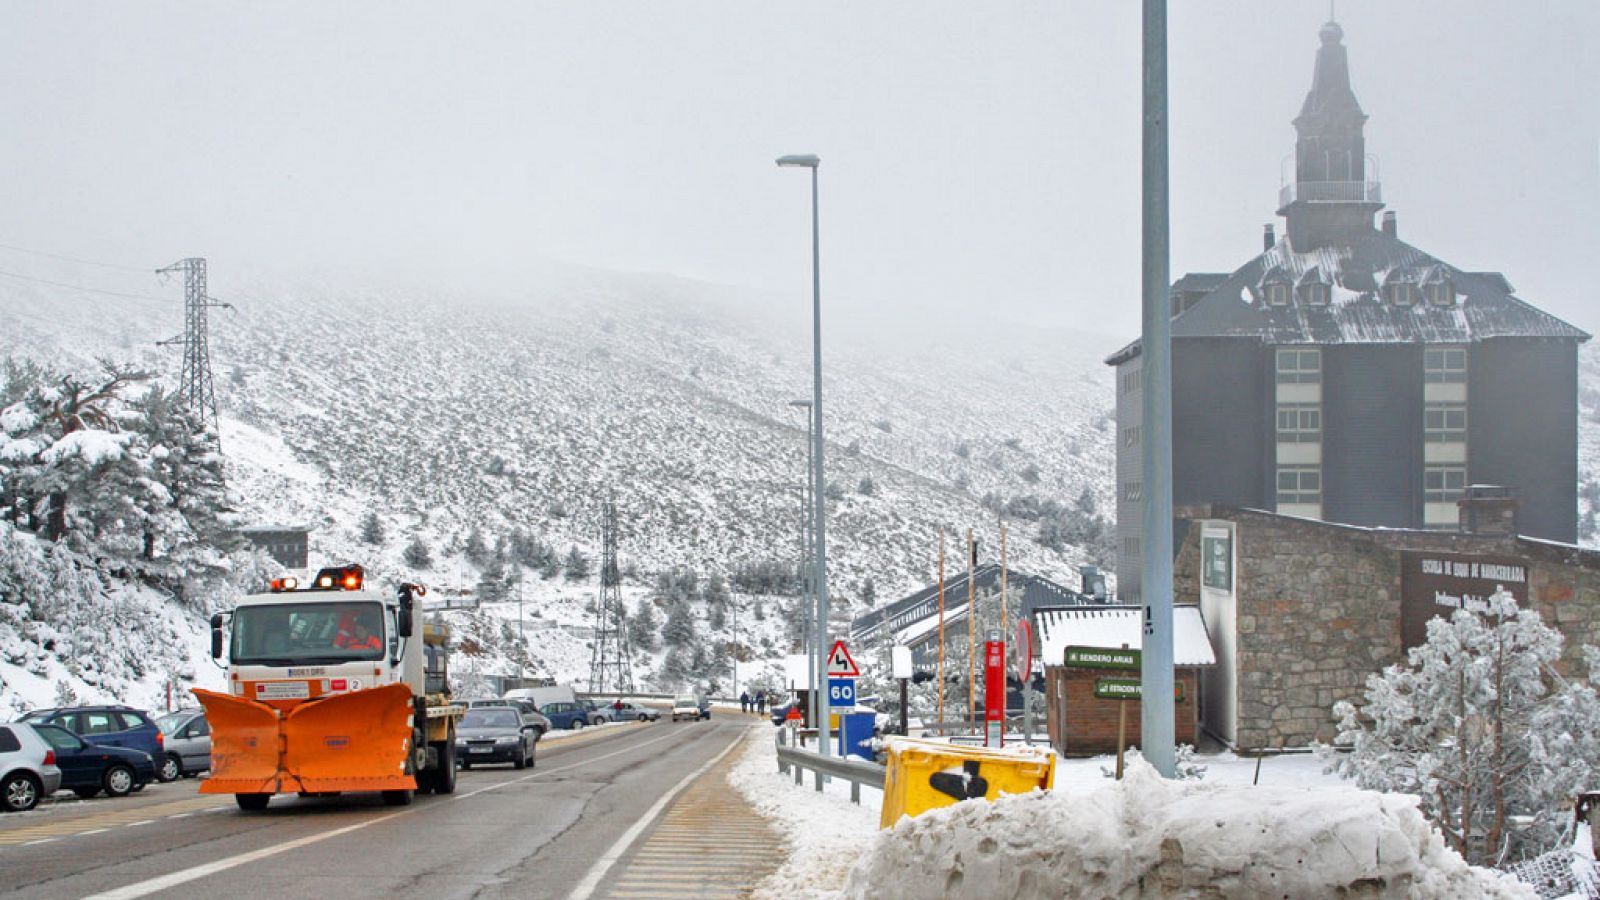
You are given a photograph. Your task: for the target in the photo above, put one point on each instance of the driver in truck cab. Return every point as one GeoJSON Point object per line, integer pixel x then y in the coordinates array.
{"type": "Point", "coordinates": [357, 633]}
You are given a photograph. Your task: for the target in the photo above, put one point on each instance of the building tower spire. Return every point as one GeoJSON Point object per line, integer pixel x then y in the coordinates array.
{"type": "Point", "coordinates": [1332, 198]}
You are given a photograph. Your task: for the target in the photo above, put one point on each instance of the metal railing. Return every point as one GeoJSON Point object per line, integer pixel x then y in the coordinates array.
{"type": "Point", "coordinates": [1330, 192]}
{"type": "Point", "coordinates": [857, 772]}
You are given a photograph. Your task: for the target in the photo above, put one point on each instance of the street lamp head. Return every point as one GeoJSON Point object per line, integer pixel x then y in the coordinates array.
{"type": "Point", "coordinates": [800, 404]}
{"type": "Point", "coordinates": [801, 160]}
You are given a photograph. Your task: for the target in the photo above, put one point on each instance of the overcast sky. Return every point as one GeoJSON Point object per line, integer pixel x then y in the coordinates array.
{"type": "Point", "coordinates": [980, 160]}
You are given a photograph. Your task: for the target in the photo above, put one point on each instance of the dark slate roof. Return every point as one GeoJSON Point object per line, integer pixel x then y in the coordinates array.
{"type": "Point", "coordinates": [1486, 306]}
{"type": "Point", "coordinates": [1026, 592]}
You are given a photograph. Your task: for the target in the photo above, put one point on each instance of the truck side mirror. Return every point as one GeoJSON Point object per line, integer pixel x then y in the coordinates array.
{"type": "Point", "coordinates": [407, 604]}
{"type": "Point", "coordinates": [216, 636]}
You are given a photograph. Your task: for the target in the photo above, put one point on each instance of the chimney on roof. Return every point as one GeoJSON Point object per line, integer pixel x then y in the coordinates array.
{"type": "Point", "coordinates": [1389, 227]}
{"type": "Point", "coordinates": [1488, 509]}
{"type": "Point", "coordinates": [1094, 583]}
{"type": "Point", "coordinates": [1268, 239]}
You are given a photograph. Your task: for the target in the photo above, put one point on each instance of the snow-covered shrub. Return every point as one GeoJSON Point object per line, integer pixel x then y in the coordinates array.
{"type": "Point", "coordinates": [1478, 727]}
{"type": "Point", "coordinates": [1185, 766]}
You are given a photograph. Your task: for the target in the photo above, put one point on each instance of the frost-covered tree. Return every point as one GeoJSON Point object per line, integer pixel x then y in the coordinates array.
{"type": "Point", "coordinates": [576, 565]}
{"type": "Point", "coordinates": [1476, 725]}
{"type": "Point", "coordinates": [417, 555]}
{"type": "Point", "coordinates": [476, 550]}
{"type": "Point", "coordinates": [679, 628]}
{"type": "Point", "coordinates": [642, 627]}
{"type": "Point", "coordinates": [371, 529]}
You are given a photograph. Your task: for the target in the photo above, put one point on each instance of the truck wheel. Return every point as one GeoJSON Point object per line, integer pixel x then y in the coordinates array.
{"type": "Point", "coordinates": [397, 798]}
{"type": "Point", "coordinates": [444, 777]}
{"type": "Point", "coordinates": [252, 802]}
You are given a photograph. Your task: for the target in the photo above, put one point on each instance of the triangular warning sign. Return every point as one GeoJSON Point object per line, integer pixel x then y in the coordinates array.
{"type": "Point", "coordinates": [840, 663]}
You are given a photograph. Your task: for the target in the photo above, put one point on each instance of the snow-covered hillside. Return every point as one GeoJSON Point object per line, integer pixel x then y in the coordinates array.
{"type": "Point", "coordinates": [445, 411]}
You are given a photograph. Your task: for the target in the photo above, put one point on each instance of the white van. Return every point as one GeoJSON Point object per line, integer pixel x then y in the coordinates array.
{"type": "Point", "coordinates": [539, 696]}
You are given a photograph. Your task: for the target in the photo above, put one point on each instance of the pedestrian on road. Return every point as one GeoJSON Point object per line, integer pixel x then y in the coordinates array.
{"type": "Point", "coordinates": [744, 702]}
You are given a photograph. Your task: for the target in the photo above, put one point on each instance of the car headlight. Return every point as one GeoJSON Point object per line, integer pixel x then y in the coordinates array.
{"type": "Point", "coordinates": [508, 739]}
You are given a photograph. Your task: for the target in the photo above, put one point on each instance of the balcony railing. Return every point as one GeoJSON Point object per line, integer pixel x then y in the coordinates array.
{"type": "Point", "coordinates": [1330, 192]}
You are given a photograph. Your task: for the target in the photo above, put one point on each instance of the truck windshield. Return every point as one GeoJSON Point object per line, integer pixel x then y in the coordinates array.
{"type": "Point", "coordinates": [285, 634]}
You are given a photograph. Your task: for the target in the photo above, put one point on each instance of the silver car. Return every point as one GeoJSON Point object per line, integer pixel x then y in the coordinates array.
{"type": "Point", "coordinates": [28, 768]}
{"type": "Point", "coordinates": [187, 745]}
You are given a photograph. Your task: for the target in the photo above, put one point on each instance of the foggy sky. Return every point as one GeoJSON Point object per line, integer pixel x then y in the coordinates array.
{"type": "Point", "coordinates": [980, 160]}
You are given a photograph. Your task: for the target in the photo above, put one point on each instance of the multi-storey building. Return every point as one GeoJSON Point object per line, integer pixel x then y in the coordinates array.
{"type": "Point", "coordinates": [1345, 375]}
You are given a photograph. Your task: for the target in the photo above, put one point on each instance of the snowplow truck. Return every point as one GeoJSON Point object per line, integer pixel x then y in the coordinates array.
{"type": "Point", "coordinates": [331, 688]}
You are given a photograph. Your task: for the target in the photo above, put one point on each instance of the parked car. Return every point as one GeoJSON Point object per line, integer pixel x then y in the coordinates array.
{"type": "Point", "coordinates": [690, 706]}
{"type": "Point", "coordinates": [87, 769]}
{"type": "Point", "coordinates": [107, 726]}
{"type": "Point", "coordinates": [598, 714]}
{"type": "Point", "coordinates": [781, 713]}
{"type": "Point", "coordinates": [531, 717]}
{"type": "Point", "coordinates": [28, 768]}
{"type": "Point", "coordinates": [187, 748]}
{"type": "Point", "coordinates": [488, 734]}
{"type": "Point", "coordinates": [632, 713]}
{"type": "Point", "coordinates": [565, 715]}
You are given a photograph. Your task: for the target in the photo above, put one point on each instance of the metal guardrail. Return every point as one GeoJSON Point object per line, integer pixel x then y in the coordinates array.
{"type": "Point", "coordinates": [857, 772]}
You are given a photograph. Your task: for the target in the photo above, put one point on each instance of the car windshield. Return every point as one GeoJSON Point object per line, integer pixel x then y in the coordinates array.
{"type": "Point", "coordinates": [171, 722]}
{"type": "Point", "coordinates": [58, 738]}
{"type": "Point", "coordinates": [283, 634]}
{"type": "Point", "coordinates": [490, 717]}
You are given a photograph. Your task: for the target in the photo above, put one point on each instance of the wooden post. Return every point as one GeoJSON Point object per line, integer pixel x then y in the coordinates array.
{"type": "Point", "coordinates": [941, 631]}
{"type": "Point", "coordinates": [972, 638]}
{"type": "Point", "coordinates": [1122, 733]}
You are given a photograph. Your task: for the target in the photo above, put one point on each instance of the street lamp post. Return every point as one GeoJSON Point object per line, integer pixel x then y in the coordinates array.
{"type": "Point", "coordinates": [807, 605]}
{"type": "Point", "coordinates": [818, 488]}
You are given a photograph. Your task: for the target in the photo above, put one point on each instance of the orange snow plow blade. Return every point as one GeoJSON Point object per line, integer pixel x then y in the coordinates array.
{"type": "Point", "coordinates": [350, 742]}
{"type": "Point", "coordinates": [244, 745]}
{"type": "Point", "coordinates": [345, 742]}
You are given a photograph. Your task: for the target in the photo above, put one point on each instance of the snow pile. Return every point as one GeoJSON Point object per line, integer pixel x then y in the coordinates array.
{"type": "Point", "coordinates": [1146, 837]}
{"type": "Point", "coordinates": [825, 832]}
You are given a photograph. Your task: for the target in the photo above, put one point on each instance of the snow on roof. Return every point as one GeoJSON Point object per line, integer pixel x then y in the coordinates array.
{"type": "Point", "coordinates": [1121, 626]}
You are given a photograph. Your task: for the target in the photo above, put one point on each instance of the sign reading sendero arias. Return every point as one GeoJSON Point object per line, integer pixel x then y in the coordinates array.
{"type": "Point", "coordinates": [1101, 658]}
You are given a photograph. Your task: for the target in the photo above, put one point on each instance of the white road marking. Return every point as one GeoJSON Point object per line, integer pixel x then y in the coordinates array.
{"type": "Point", "coordinates": [608, 859]}
{"type": "Point", "coordinates": [40, 841]}
{"type": "Point", "coordinates": [94, 831]}
{"type": "Point", "coordinates": [184, 876]}
{"type": "Point", "coordinates": [140, 822]}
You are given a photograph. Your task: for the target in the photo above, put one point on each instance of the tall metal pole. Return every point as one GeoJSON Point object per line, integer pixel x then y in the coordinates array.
{"type": "Point", "coordinates": [819, 496]}
{"type": "Point", "coordinates": [972, 635]}
{"type": "Point", "coordinates": [941, 631]}
{"type": "Point", "coordinates": [1156, 706]}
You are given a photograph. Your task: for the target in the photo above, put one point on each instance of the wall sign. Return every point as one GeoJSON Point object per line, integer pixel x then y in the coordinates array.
{"type": "Point", "coordinates": [1438, 584]}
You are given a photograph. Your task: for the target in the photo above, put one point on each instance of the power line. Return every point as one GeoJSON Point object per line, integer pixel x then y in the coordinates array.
{"type": "Point", "coordinates": [74, 259]}
{"type": "Point", "coordinates": [79, 287]}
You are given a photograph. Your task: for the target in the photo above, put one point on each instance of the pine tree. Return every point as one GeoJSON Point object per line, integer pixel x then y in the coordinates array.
{"type": "Point", "coordinates": [475, 550]}
{"type": "Point", "coordinates": [642, 627]}
{"type": "Point", "coordinates": [417, 555]}
{"type": "Point", "coordinates": [679, 629]}
{"type": "Point", "coordinates": [371, 529]}
{"type": "Point", "coordinates": [576, 565]}
{"type": "Point", "coordinates": [1471, 727]}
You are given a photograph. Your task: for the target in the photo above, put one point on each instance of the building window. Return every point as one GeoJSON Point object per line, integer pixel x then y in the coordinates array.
{"type": "Point", "coordinates": [1441, 293]}
{"type": "Point", "coordinates": [1132, 381]}
{"type": "Point", "coordinates": [1443, 484]}
{"type": "Point", "coordinates": [1277, 294]}
{"type": "Point", "coordinates": [1445, 423]}
{"type": "Point", "coordinates": [1132, 491]}
{"type": "Point", "coordinates": [1299, 423]}
{"type": "Point", "coordinates": [1314, 294]}
{"type": "Point", "coordinates": [1402, 293]}
{"type": "Point", "coordinates": [1299, 484]}
{"type": "Point", "coordinates": [1300, 366]}
{"type": "Point", "coordinates": [1445, 365]}
{"type": "Point", "coordinates": [1130, 549]}
{"type": "Point", "coordinates": [1130, 436]}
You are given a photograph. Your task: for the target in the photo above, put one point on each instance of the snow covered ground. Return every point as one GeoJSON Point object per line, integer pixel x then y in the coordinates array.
{"type": "Point", "coordinates": [1299, 833]}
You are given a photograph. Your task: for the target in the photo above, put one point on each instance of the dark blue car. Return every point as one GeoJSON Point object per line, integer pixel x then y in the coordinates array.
{"type": "Point", "coordinates": [565, 715]}
{"type": "Point", "coordinates": [87, 769]}
{"type": "Point", "coordinates": [107, 726]}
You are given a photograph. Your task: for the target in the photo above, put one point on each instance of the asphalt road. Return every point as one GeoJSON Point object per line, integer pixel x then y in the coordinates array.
{"type": "Point", "coordinates": [536, 833]}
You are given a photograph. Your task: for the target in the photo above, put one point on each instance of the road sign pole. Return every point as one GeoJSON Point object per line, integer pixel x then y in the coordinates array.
{"type": "Point", "coordinates": [994, 689]}
{"type": "Point", "coordinates": [1122, 733]}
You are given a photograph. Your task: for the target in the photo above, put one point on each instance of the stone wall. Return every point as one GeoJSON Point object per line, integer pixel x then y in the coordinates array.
{"type": "Point", "coordinates": [1319, 611]}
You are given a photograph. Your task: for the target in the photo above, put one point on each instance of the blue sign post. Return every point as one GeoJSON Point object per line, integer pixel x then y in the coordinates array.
{"type": "Point", "coordinates": [841, 692]}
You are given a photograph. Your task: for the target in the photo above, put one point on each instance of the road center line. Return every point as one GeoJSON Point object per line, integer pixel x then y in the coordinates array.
{"type": "Point", "coordinates": [608, 859]}
{"type": "Point", "coordinates": [184, 876]}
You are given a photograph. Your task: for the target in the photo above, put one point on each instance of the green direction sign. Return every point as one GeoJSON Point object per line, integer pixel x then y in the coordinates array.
{"type": "Point", "coordinates": [1101, 658]}
{"type": "Point", "coordinates": [1127, 689]}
